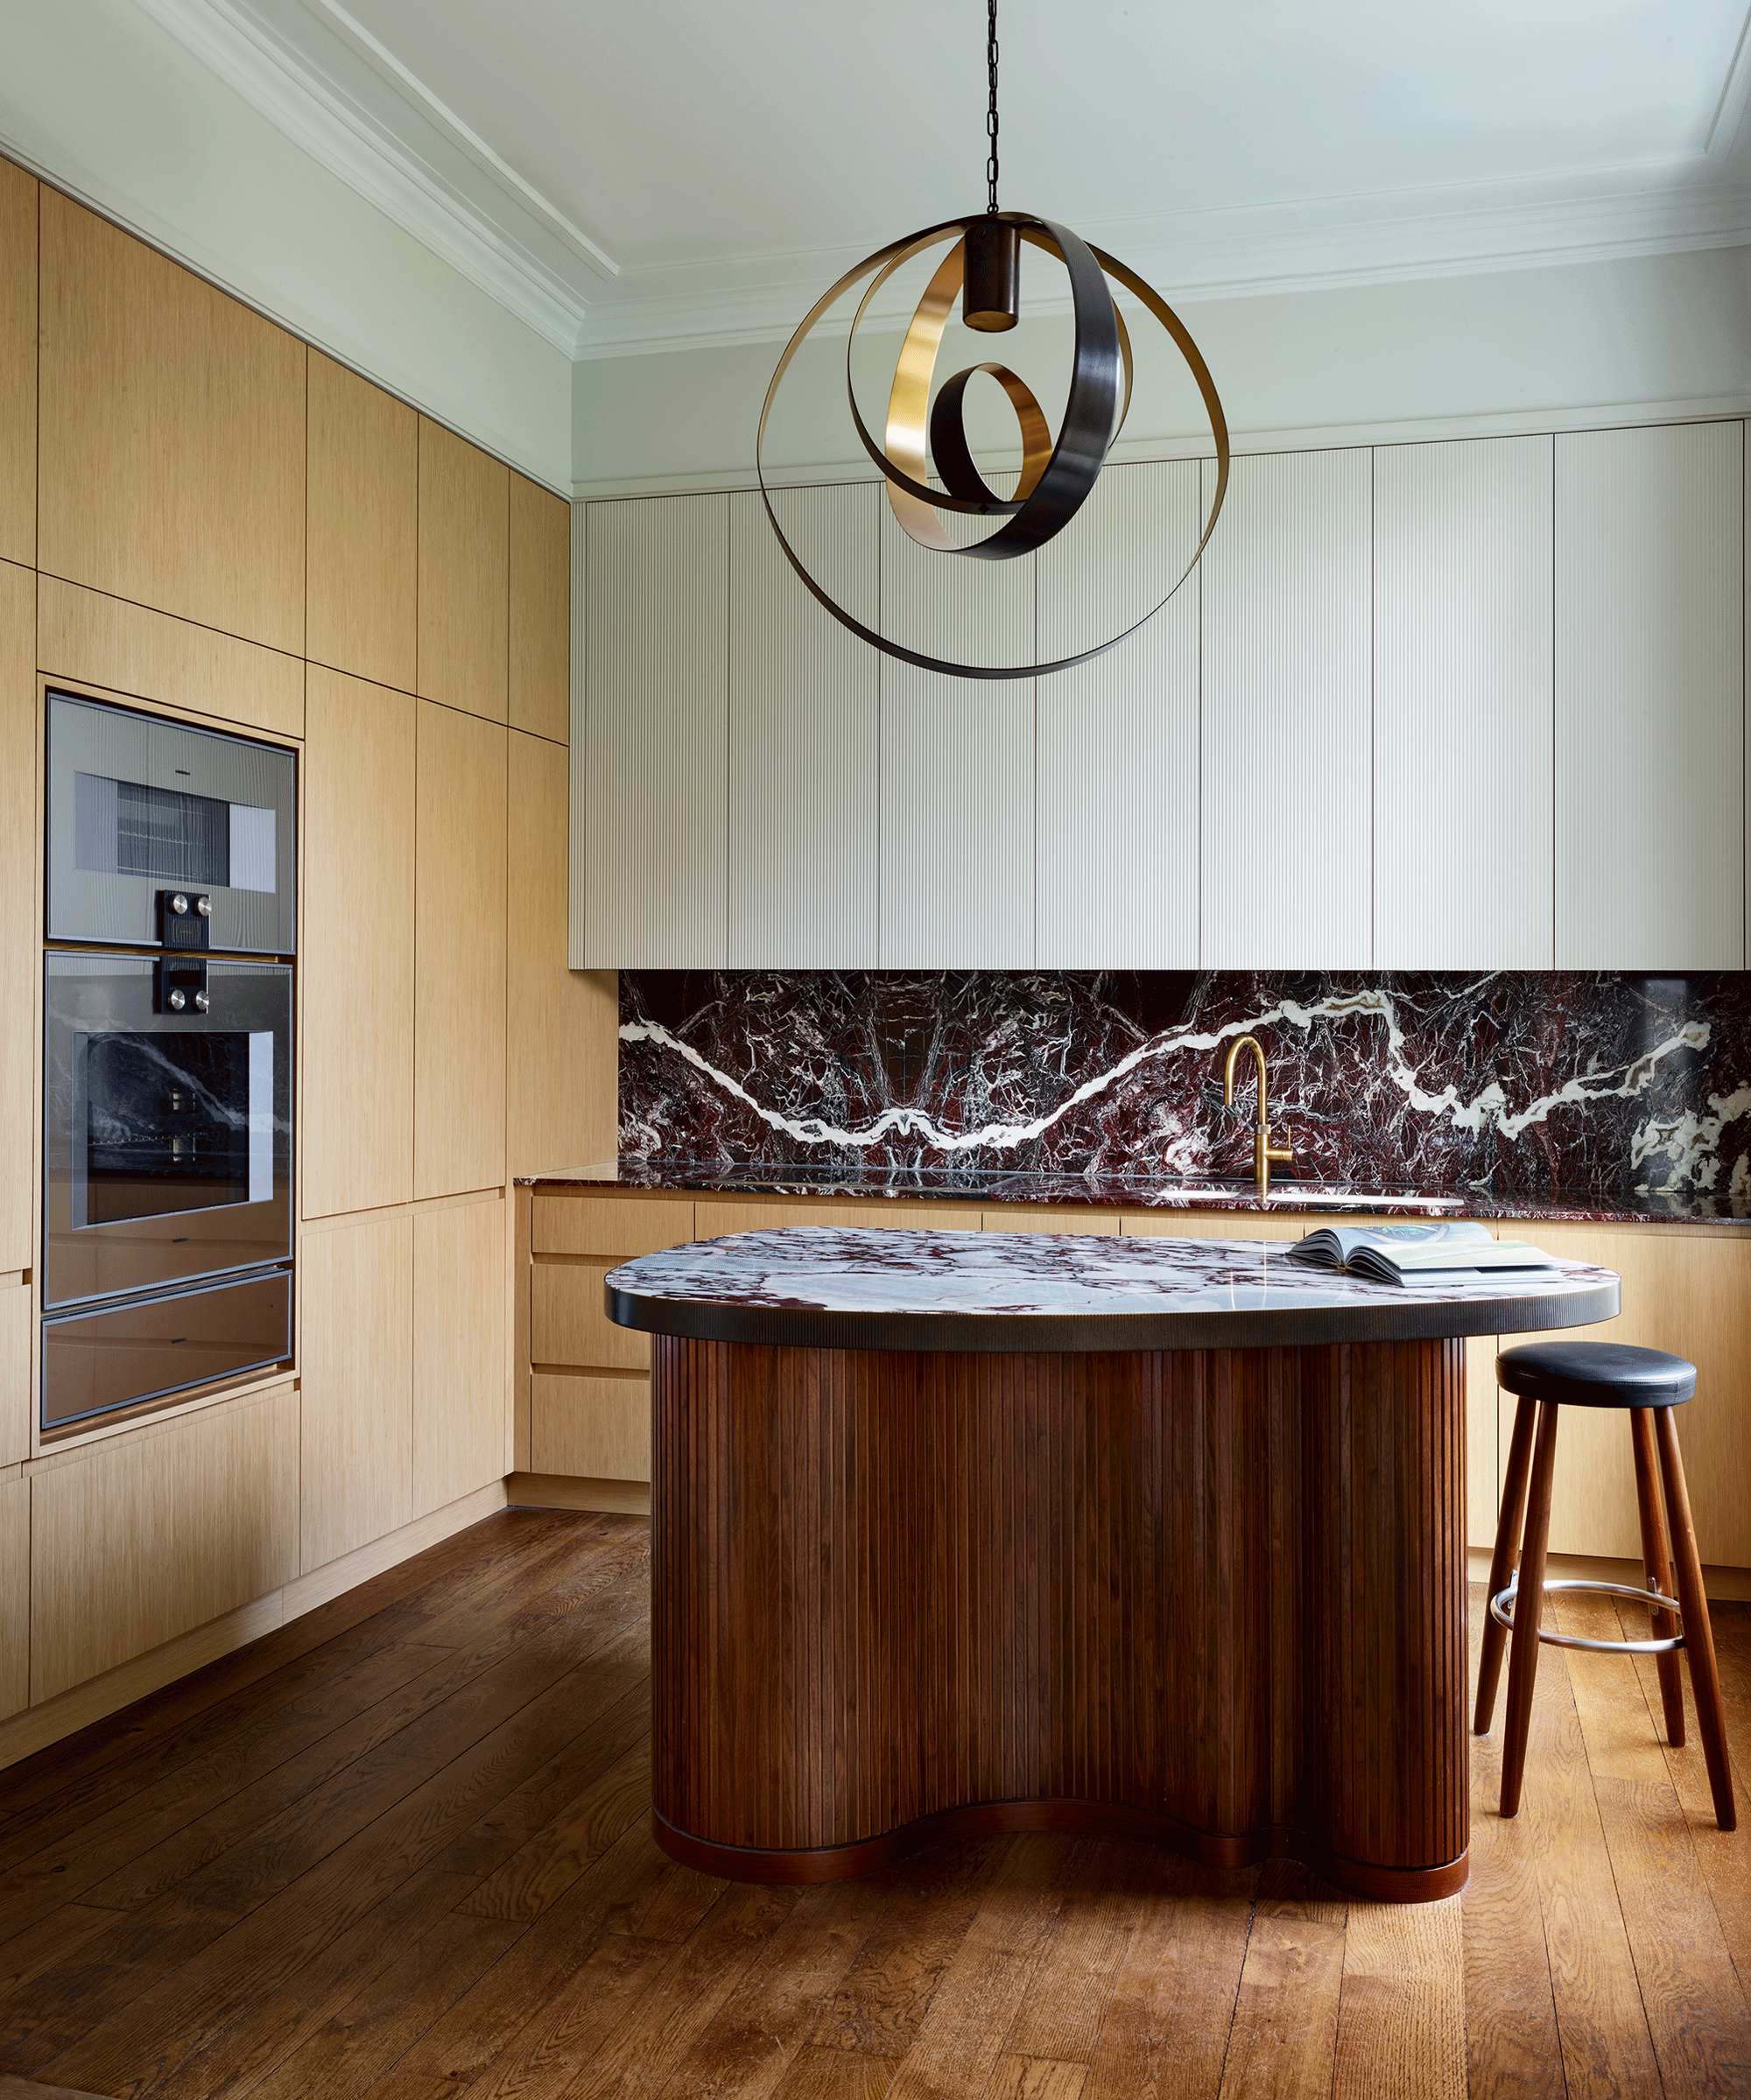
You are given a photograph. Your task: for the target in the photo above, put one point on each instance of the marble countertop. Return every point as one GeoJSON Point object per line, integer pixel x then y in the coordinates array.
{"type": "Point", "coordinates": [1109, 1191]}
{"type": "Point", "coordinates": [916, 1289]}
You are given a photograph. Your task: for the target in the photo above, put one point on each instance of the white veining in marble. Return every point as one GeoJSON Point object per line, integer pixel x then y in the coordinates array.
{"type": "Point", "coordinates": [1488, 1108]}
{"type": "Point", "coordinates": [1022, 1274]}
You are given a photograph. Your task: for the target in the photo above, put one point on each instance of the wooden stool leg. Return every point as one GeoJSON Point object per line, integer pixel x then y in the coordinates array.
{"type": "Point", "coordinates": [1658, 1565]}
{"type": "Point", "coordinates": [1698, 1637]}
{"type": "Point", "coordinates": [1501, 1561]}
{"type": "Point", "coordinates": [1529, 1606]}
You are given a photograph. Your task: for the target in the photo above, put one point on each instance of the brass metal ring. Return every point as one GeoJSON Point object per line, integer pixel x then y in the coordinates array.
{"type": "Point", "coordinates": [1056, 477]}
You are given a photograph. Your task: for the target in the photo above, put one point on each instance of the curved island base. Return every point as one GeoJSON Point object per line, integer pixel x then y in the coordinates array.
{"type": "Point", "coordinates": [1215, 1597]}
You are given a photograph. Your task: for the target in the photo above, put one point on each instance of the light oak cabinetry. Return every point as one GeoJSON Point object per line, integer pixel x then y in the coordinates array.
{"type": "Point", "coordinates": [560, 1108]}
{"type": "Point", "coordinates": [356, 951]}
{"type": "Point", "coordinates": [18, 365]}
{"type": "Point", "coordinates": [1650, 698]}
{"type": "Point", "coordinates": [458, 1010]}
{"type": "Point", "coordinates": [540, 658]}
{"type": "Point", "coordinates": [172, 449]}
{"type": "Point", "coordinates": [15, 1596]}
{"type": "Point", "coordinates": [461, 1360]}
{"type": "Point", "coordinates": [362, 567]}
{"type": "Point", "coordinates": [17, 1332]}
{"type": "Point", "coordinates": [21, 920]}
{"type": "Point", "coordinates": [464, 553]}
{"type": "Point", "coordinates": [357, 1284]}
{"type": "Point", "coordinates": [133, 1545]}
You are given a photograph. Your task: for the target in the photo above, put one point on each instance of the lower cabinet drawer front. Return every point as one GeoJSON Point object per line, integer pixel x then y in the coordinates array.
{"type": "Point", "coordinates": [596, 1429]}
{"type": "Point", "coordinates": [622, 1227]}
{"type": "Point", "coordinates": [132, 1546]}
{"type": "Point", "coordinates": [567, 1324]}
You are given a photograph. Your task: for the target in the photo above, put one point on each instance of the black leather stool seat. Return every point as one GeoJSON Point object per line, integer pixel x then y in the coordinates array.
{"type": "Point", "coordinates": [1596, 1374]}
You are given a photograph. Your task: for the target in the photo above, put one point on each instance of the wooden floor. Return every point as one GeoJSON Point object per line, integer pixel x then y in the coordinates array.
{"type": "Point", "coordinates": [401, 1848]}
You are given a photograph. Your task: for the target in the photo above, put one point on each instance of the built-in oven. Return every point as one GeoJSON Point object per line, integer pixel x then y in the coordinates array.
{"type": "Point", "coordinates": [164, 836]}
{"type": "Point", "coordinates": [167, 1080]}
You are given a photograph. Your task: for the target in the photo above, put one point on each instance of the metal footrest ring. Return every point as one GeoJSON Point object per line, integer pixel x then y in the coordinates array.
{"type": "Point", "coordinates": [1501, 1610]}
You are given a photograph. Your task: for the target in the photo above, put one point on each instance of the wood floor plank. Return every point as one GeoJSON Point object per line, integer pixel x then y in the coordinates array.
{"type": "Point", "coordinates": [46, 1941]}
{"type": "Point", "coordinates": [1511, 2039]}
{"type": "Point", "coordinates": [876, 2010]}
{"type": "Point", "coordinates": [1166, 2026]}
{"type": "Point", "coordinates": [1284, 2038]}
{"type": "Point", "coordinates": [1035, 2078]}
{"type": "Point", "coordinates": [1402, 2015]}
{"type": "Point", "coordinates": [1059, 2020]}
{"type": "Point", "coordinates": [958, 2039]}
{"type": "Point", "coordinates": [747, 2050]}
{"type": "Point", "coordinates": [543, 1868]}
{"type": "Point", "coordinates": [27, 2089]}
{"type": "Point", "coordinates": [825, 2074]}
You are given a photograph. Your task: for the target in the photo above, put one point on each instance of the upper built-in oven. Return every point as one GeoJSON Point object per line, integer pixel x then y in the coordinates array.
{"type": "Point", "coordinates": [164, 836]}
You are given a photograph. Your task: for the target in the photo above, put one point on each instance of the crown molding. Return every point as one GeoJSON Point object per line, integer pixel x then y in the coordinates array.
{"type": "Point", "coordinates": [279, 80]}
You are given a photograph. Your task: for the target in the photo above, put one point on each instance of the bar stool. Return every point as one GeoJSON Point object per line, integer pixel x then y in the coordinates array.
{"type": "Point", "coordinates": [1549, 1376]}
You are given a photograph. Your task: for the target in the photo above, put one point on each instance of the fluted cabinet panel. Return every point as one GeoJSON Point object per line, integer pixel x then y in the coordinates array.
{"type": "Point", "coordinates": [1650, 698]}
{"type": "Point", "coordinates": [1462, 788]}
{"type": "Point", "coordinates": [1286, 852]}
{"type": "Point", "coordinates": [804, 700]}
{"type": "Point", "coordinates": [654, 751]}
{"type": "Point", "coordinates": [1116, 801]}
{"type": "Point", "coordinates": [957, 763]}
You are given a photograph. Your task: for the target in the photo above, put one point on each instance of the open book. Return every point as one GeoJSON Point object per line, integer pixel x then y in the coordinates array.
{"type": "Point", "coordinates": [1395, 1254]}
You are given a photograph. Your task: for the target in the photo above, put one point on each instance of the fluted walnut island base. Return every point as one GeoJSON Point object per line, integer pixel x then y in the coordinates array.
{"type": "Point", "coordinates": [980, 1532]}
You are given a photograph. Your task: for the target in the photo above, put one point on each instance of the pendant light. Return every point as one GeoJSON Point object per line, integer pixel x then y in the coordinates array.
{"type": "Point", "coordinates": [983, 267]}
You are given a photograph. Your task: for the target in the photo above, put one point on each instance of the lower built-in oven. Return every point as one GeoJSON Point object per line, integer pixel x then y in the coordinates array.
{"type": "Point", "coordinates": [166, 1176]}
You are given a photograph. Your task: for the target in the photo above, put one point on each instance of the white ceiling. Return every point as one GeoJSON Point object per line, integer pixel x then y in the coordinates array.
{"type": "Point", "coordinates": [661, 171]}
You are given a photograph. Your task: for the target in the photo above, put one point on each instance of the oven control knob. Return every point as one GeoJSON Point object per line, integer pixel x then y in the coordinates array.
{"type": "Point", "coordinates": [201, 1003]}
{"type": "Point", "coordinates": [177, 1001]}
{"type": "Point", "coordinates": [179, 904]}
{"type": "Point", "coordinates": [204, 906]}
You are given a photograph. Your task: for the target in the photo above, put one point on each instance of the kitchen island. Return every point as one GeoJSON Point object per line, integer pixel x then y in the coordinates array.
{"type": "Point", "coordinates": [957, 1533]}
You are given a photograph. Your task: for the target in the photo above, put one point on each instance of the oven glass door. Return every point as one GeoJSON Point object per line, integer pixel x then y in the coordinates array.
{"type": "Point", "coordinates": [139, 806]}
{"type": "Point", "coordinates": [167, 1136]}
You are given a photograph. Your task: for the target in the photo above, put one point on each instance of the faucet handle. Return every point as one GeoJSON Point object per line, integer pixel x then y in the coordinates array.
{"type": "Point", "coordinates": [1286, 1151]}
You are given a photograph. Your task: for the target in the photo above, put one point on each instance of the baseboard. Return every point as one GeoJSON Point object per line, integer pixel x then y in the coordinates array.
{"type": "Point", "coordinates": [567, 1491]}
{"type": "Point", "coordinates": [1722, 1586]}
{"type": "Point", "coordinates": [24, 1733]}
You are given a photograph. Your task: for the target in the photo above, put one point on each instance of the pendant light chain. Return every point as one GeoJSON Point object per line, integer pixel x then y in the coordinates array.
{"type": "Point", "coordinates": [991, 113]}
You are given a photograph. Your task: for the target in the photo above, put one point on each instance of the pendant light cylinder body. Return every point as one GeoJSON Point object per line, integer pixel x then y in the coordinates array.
{"type": "Point", "coordinates": [991, 297]}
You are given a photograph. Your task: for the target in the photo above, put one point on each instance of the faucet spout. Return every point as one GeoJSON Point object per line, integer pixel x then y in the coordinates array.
{"type": "Point", "coordinates": [1263, 1151]}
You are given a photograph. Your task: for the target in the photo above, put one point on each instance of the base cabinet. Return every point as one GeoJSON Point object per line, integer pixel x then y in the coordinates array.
{"type": "Point", "coordinates": [134, 1545]}
{"type": "Point", "coordinates": [461, 1362]}
{"type": "Point", "coordinates": [15, 1596]}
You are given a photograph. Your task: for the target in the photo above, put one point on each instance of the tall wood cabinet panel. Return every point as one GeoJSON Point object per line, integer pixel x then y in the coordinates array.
{"type": "Point", "coordinates": [357, 1282]}
{"type": "Point", "coordinates": [135, 1545]}
{"type": "Point", "coordinates": [957, 762]}
{"type": "Point", "coordinates": [18, 365]}
{"type": "Point", "coordinates": [1462, 786]}
{"type": "Point", "coordinates": [17, 1332]}
{"type": "Point", "coordinates": [540, 641]}
{"type": "Point", "coordinates": [1689, 1293]}
{"type": "Point", "coordinates": [461, 1352]}
{"type": "Point", "coordinates": [651, 772]}
{"type": "Point", "coordinates": [15, 1596]}
{"type": "Point", "coordinates": [458, 973]}
{"type": "Point", "coordinates": [1650, 698]}
{"type": "Point", "coordinates": [804, 697]}
{"type": "Point", "coordinates": [560, 1111]}
{"type": "Point", "coordinates": [362, 560]}
{"type": "Point", "coordinates": [1117, 802]}
{"type": "Point", "coordinates": [464, 573]}
{"type": "Point", "coordinates": [21, 922]}
{"type": "Point", "coordinates": [357, 945]}
{"type": "Point", "coordinates": [1286, 880]}
{"type": "Point", "coordinates": [172, 434]}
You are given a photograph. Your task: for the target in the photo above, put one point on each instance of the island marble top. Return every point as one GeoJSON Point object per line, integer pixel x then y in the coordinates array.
{"type": "Point", "coordinates": [915, 1289]}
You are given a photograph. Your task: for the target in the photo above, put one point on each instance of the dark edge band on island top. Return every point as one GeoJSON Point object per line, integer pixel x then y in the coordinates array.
{"type": "Point", "coordinates": [1096, 1819]}
{"type": "Point", "coordinates": [1000, 1333]}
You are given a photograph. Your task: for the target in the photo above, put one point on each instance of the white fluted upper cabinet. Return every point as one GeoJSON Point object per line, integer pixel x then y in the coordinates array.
{"type": "Point", "coordinates": [957, 820]}
{"type": "Point", "coordinates": [1117, 833]}
{"type": "Point", "coordinates": [1650, 698]}
{"type": "Point", "coordinates": [1286, 867]}
{"type": "Point", "coordinates": [650, 756]}
{"type": "Point", "coordinates": [1462, 609]}
{"type": "Point", "coordinates": [804, 697]}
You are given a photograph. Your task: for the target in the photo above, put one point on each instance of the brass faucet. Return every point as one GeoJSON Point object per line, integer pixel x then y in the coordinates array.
{"type": "Point", "coordinates": [1263, 1151]}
